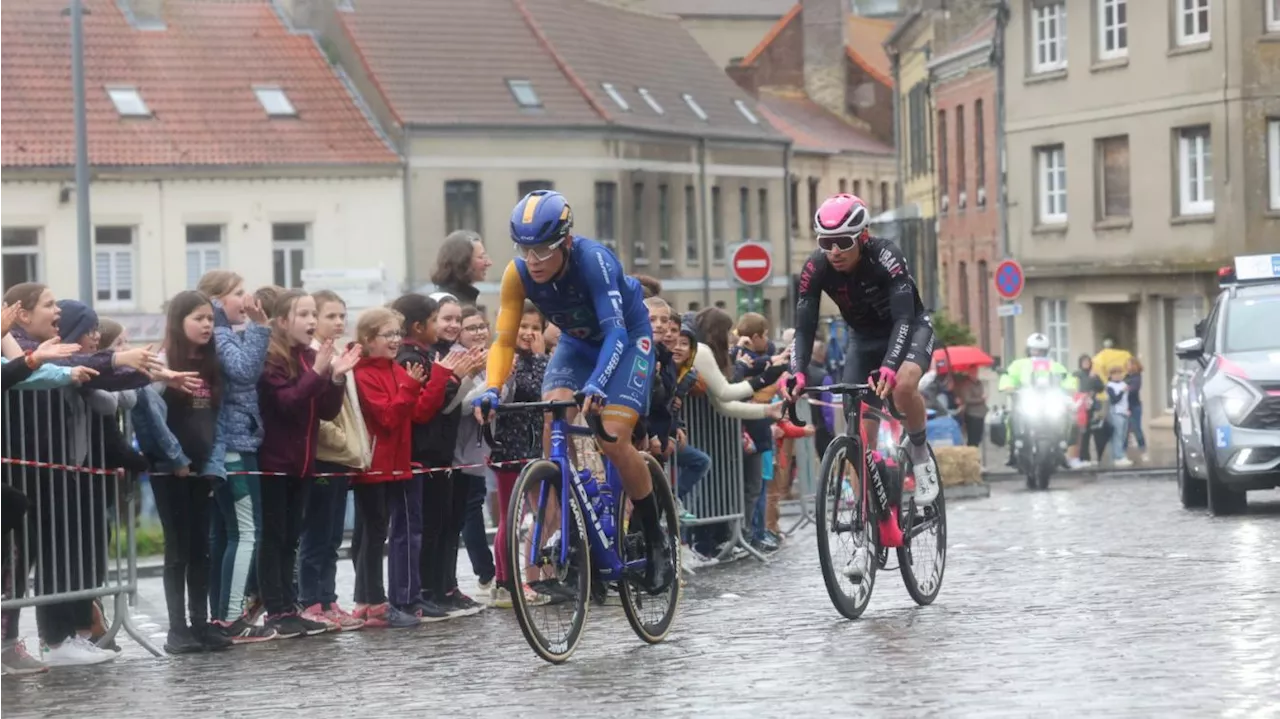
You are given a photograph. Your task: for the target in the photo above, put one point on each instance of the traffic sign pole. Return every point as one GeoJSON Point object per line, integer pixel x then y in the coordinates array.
{"type": "Point", "coordinates": [1009, 282]}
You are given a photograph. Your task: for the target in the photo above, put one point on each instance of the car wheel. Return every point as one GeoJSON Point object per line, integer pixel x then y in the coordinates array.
{"type": "Point", "coordinates": [1222, 500]}
{"type": "Point", "coordinates": [1192, 491]}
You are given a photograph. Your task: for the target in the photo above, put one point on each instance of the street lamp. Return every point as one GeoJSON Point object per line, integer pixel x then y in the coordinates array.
{"type": "Point", "coordinates": [83, 236]}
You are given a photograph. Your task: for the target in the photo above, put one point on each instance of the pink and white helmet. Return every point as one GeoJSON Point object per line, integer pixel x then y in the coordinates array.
{"type": "Point", "coordinates": [842, 215]}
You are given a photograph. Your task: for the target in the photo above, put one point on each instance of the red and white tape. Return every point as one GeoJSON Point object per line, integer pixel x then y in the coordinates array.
{"type": "Point", "coordinates": [255, 473]}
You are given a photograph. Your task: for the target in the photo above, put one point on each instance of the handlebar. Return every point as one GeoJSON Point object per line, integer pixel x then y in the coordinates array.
{"type": "Point", "coordinates": [842, 388]}
{"type": "Point", "coordinates": [556, 406]}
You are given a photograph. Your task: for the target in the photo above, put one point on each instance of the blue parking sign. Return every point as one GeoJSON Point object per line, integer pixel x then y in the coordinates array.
{"type": "Point", "coordinates": [1222, 437]}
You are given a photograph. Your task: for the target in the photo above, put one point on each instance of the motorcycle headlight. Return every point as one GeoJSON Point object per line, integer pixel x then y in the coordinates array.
{"type": "Point", "coordinates": [1237, 401]}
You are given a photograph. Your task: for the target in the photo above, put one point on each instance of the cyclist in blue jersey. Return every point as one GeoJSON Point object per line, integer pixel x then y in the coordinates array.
{"type": "Point", "coordinates": [606, 345]}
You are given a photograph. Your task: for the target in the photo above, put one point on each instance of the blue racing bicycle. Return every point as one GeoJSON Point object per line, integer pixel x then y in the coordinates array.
{"type": "Point", "coordinates": [569, 540]}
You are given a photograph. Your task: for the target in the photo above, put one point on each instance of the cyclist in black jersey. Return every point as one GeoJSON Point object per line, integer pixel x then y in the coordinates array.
{"type": "Point", "coordinates": [890, 337]}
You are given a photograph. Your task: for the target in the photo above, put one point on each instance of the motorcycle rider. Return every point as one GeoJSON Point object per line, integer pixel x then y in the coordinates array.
{"type": "Point", "coordinates": [1023, 371]}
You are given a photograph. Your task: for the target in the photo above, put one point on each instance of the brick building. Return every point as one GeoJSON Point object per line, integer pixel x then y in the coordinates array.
{"type": "Point", "coordinates": [963, 84]}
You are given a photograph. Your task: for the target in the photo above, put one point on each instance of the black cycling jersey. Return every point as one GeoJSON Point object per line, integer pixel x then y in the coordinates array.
{"type": "Point", "coordinates": [878, 300]}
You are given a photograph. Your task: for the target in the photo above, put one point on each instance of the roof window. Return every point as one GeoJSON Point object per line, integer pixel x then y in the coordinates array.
{"type": "Point", "coordinates": [648, 97]}
{"type": "Point", "coordinates": [128, 101]}
{"type": "Point", "coordinates": [746, 112]}
{"type": "Point", "coordinates": [275, 102]}
{"type": "Point", "coordinates": [523, 92]}
{"type": "Point", "coordinates": [616, 96]}
{"type": "Point", "coordinates": [693, 105]}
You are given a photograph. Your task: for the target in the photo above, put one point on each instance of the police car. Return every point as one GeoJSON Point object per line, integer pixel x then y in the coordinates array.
{"type": "Point", "coordinates": [1227, 406]}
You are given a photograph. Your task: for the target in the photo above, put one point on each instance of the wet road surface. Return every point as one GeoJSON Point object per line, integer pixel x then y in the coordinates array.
{"type": "Point", "coordinates": [1098, 598]}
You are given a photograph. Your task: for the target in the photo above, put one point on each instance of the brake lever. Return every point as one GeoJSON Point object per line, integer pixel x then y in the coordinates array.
{"type": "Point", "coordinates": [593, 420]}
{"type": "Point", "coordinates": [486, 408]}
{"type": "Point", "coordinates": [791, 406]}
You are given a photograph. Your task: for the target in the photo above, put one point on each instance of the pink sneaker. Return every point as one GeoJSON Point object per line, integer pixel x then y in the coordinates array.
{"type": "Point", "coordinates": [346, 622]}
{"type": "Point", "coordinates": [374, 616]}
{"type": "Point", "coordinates": [316, 614]}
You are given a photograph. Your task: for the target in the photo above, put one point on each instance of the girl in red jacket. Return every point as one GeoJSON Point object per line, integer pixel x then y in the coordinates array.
{"type": "Point", "coordinates": [391, 398]}
{"type": "Point", "coordinates": [299, 387]}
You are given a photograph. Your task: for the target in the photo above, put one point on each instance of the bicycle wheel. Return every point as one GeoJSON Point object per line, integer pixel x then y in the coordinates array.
{"type": "Point", "coordinates": [552, 629]}
{"type": "Point", "coordinates": [650, 615]}
{"type": "Point", "coordinates": [842, 516]}
{"type": "Point", "coordinates": [922, 558]}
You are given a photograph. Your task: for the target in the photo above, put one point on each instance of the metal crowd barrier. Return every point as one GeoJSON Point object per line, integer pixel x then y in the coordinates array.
{"type": "Point", "coordinates": [76, 543]}
{"type": "Point", "coordinates": [805, 461]}
{"type": "Point", "coordinates": [720, 497]}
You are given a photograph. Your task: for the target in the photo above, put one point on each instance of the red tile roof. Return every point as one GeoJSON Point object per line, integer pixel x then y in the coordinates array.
{"type": "Point", "coordinates": [813, 128]}
{"type": "Point", "coordinates": [446, 63]}
{"type": "Point", "coordinates": [753, 9]}
{"type": "Point", "coordinates": [196, 76]}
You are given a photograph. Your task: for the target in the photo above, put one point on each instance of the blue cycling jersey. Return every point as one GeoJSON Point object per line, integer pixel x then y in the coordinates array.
{"type": "Point", "coordinates": [593, 301]}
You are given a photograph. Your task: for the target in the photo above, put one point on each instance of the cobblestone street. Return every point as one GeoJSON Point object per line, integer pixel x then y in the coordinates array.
{"type": "Point", "coordinates": [1096, 598]}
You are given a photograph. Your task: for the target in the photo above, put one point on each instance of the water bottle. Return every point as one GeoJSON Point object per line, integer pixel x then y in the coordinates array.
{"type": "Point", "coordinates": [604, 509]}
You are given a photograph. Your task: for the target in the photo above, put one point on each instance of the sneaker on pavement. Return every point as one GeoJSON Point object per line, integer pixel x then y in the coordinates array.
{"type": "Point", "coordinates": [1076, 463]}
{"type": "Point", "coordinates": [1123, 462]}
{"type": "Point", "coordinates": [181, 640]}
{"type": "Point", "coordinates": [858, 565]}
{"type": "Point", "coordinates": [242, 632]}
{"type": "Point", "coordinates": [500, 597]}
{"type": "Point", "coordinates": [400, 619]}
{"type": "Point", "coordinates": [74, 652]}
{"type": "Point", "coordinates": [286, 626]}
{"type": "Point", "coordinates": [210, 637]}
{"type": "Point", "coordinates": [458, 604]}
{"type": "Point", "coordinates": [485, 587]}
{"type": "Point", "coordinates": [16, 661]}
{"type": "Point", "coordinates": [429, 611]}
{"type": "Point", "coordinates": [345, 621]}
{"type": "Point", "coordinates": [374, 616]}
{"type": "Point", "coordinates": [315, 613]}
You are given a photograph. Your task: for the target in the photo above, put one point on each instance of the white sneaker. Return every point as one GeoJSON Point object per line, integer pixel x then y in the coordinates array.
{"type": "Point", "coordinates": [1077, 463]}
{"type": "Point", "coordinates": [485, 587]}
{"type": "Point", "coordinates": [1146, 459]}
{"type": "Point", "coordinates": [1124, 462]}
{"type": "Point", "coordinates": [858, 565]}
{"type": "Point", "coordinates": [926, 475]}
{"type": "Point", "coordinates": [77, 651]}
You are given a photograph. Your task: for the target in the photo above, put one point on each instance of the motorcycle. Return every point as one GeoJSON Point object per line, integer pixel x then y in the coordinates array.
{"type": "Point", "coordinates": [1042, 421]}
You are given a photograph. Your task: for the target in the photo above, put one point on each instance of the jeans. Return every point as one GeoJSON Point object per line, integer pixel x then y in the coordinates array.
{"type": "Point", "coordinates": [453, 535]}
{"type": "Point", "coordinates": [283, 502]}
{"type": "Point", "coordinates": [753, 480]}
{"type": "Point", "coordinates": [473, 530]}
{"type": "Point", "coordinates": [692, 464]}
{"type": "Point", "coordinates": [235, 528]}
{"type": "Point", "coordinates": [1135, 427]}
{"type": "Point", "coordinates": [322, 527]}
{"type": "Point", "coordinates": [1119, 429]}
{"type": "Point", "coordinates": [184, 504]}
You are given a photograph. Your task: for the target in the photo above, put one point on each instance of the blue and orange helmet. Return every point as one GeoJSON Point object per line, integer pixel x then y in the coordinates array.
{"type": "Point", "coordinates": [542, 217]}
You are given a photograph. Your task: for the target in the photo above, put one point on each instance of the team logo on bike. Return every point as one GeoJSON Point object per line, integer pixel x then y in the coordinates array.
{"type": "Point", "coordinates": [644, 344]}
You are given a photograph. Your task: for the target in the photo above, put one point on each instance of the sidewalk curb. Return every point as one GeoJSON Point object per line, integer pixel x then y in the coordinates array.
{"type": "Point", "coordinates": [1093, 473]}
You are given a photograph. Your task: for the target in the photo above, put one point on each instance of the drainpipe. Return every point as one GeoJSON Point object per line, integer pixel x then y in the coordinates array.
{"type": "Point", "coordinates": [84, 229]}
{"type": "Point", "coordinates": [406, 189]}
{"type": "Point", "coordinates": [1002, 195]}
{"type": "Point", "coordinates": [788, 243]}
{"type": "Point", "coordinates": [706, 237]}
{"type": "Point", "coordinates": [897, 126]}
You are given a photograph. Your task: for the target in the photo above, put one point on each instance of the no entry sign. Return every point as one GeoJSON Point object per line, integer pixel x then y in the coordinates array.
{"type": "Point", "coordinates": [751, 264]}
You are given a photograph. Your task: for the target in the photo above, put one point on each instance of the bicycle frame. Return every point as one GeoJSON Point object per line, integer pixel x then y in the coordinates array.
{"type": "Point", "coordinates": [604, 546]}
{"type": "Point", "coordinates": [868, 467]}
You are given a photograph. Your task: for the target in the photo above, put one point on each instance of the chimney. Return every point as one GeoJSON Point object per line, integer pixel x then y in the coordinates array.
{"type": "Point", "coordinates": [823, 22]}
{"type": "Point", "coordinates": [145, 14]}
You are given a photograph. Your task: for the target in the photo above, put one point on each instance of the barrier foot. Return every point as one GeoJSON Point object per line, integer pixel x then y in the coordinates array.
{"type": "Point", "coordinates": [806, 518]}
{"type": "Point", "coordinates": [125, 619]}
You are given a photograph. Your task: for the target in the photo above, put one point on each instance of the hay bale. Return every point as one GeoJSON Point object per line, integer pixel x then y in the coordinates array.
{"type": "Point", "coordinates": [959, 465]}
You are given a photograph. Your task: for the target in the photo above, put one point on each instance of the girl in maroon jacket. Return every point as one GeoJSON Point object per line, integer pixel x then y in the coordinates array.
{"type": "Point", "coordinates": [392, 397]}
{"type": "Point", "coordinates": [299, 387]}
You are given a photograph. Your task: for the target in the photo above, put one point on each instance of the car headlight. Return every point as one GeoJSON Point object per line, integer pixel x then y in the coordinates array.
{"type": "Point", "coordinates": [1237, 401]}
